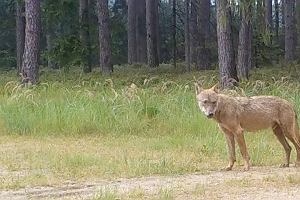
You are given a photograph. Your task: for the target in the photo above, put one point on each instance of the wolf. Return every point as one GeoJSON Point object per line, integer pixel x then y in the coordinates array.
{"type": "Point", "coordinates": [235, 115]}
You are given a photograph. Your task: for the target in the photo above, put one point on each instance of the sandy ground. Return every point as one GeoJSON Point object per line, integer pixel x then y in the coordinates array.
{"type": "Point", "coordinates": [258, 183]}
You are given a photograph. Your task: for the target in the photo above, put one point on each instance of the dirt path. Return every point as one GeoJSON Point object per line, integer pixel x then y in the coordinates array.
{"type": "Point", "coordinates": [258, 183]}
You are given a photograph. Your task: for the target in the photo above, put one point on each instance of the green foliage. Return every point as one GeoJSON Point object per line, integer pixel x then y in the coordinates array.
{"type": "Point", "coordinates": [7, 35]}
{"type": "Point", "coordinates": [265, 52]}
{"type": "Point", "coordinates": [67, 51]}
{"type": "Point", "coordinates": [119, 32]}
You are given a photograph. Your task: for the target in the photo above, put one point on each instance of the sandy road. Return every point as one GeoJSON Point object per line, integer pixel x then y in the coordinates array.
{"type": "Point", "coordinates": [258, 183]}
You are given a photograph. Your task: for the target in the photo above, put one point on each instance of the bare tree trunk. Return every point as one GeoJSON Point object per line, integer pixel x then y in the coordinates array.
{"type": "Point", "coordinates": [187, 35]}
{"type": "Point", "coordinates": [50, 40]}
{"type": "Point", "coordinates": [174, 33]}
{"type": "Point", "coordinates": [104, 37]}
{"type": "Point", "coordinates": [268, 16]}
{"type": "Point", "coordinates": [260, 16]}
{"type": "Point", "coordinates": [298, 25]}
{"type": "Point", "coordinates": [132, 40]}
{"type": "Point", "coordinates": [86, 62]}
{"type": "Point", "coordinates": [282, 13]}
{"type": "Point", "coordinates": [289, 31]}
{"type": "Point", "coordinates": [244, 46]}
{"type": "Point", "coordinates": [276, 20]}
{"type": "Point", "coordinates": [152, 32]}
{"type": "Point", "coordinates": [203, 56]}
{"type": "Point", "coordinates": [227, 65]}
{"type": "Point", "coordinates": [141, 34]}
{"type": "Point", "coordinates": [20, 32]}
{"type": "Point", "coordinates": [30, 65]}
{"type": "Point", "coordinates": [194, 30]}
{"type": "Point", "coordinates": [157, 27]}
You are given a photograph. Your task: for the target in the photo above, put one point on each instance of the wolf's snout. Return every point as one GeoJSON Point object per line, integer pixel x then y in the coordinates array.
{"type": "Point", "coordinates": [210, 115]}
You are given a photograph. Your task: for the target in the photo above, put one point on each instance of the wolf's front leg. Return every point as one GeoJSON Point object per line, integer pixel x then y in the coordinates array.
{"type": "Point", "coordinates": [243, 148]}
{"type": "Point", "coordinates": [231, 148]}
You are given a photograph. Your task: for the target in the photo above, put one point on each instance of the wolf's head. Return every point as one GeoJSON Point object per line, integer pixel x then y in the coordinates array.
{"type": "Point", "coordinates": [207, 100]}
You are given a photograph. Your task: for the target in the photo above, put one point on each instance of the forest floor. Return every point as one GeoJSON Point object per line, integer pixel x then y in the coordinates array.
{"type": "Point", "coordinates": [258, 183]}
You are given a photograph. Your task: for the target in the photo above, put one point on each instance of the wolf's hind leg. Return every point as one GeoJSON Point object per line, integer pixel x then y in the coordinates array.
{"type": "Point", "coordinates": [287, 148]}
{"type": "Point", "coordinates": [291, 134]}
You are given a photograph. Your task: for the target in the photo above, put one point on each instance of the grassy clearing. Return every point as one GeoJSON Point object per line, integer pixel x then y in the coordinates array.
{"type": "Point", "coordinates": [85, 127]}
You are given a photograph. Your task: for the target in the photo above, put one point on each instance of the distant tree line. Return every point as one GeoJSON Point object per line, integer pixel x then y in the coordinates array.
{"type": "Point", "coordinates": [238, 35]}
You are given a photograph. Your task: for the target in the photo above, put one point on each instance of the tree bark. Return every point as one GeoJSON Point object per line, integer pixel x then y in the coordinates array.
{"type": "Point", "coordinates": [260, 16]}
{"type": "Point", "coordinates": [187, 35]}
{"type": "Point", "coordinates": [86, 62]}
{"type": "Point", "coordinates": [104, 37]}
{"type": "Point", "coordinates": [194, 30]}
{"type": "Point", "coordinates": [50, 40]}
{"type": "Point", "coordinates": [132, 39]}
{"type": "Point", "coordinates": [276, 27]}
{"type": "Point", "coordinates": [268, 16]}
{"type": "Point", "coordinates": [174, 33]}
{"type": "Point", "coordinates": [227, 67]}
{"type": "Point", "coordinates": [20, 33]}
{"type": "Point", "coordinates": [298, 25]}
{"type": "Point", "coordinates": [282, 13]}
{"type": "Point", "coordinates": [141, 35]}
{"type": "Point", "coordinates": [289, 12]}
{"type": "Point", "coordinates": [157, 28]}
{"type": "Point", "coordinates": [152, 32]}
{"type": "Point", "coordinates": [203, 55]}
{"type": "Point", "coordinates": [30, 65]}
{"type": "Point", "coordinates": [245, 38]}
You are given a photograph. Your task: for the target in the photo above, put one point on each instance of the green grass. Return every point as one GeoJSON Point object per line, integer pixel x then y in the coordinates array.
{"type": "Point", "coordinates": [85, 127]}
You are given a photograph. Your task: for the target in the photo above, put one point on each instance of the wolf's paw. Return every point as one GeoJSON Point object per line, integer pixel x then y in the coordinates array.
{"type": "Point", "coordinates": [226, 169]}
{"type": "Point", "coordinates": [246, 168]}
{"type": "Point", "coordinates": [284, 165]}
{"type": "Point", "coordinates": [297, 164]}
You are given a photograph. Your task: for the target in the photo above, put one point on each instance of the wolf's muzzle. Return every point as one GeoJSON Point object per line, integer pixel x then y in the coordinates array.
{"type": "Point", "coordinates": [210, 115]}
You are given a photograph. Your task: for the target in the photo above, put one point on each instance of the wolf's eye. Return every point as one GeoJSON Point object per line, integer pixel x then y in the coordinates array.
{"type": "Point", "coordinates": [205, 101]}
{"type": "Point", "coordinates": [214, 102]}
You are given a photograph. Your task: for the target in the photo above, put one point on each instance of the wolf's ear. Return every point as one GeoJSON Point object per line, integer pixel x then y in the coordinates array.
{"type": "Point", "coordinates": [215, 88]}
{"type": "Point", "coordinates": [198, 89]}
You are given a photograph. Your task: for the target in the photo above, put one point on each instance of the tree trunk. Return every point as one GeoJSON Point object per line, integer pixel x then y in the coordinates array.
{"type": "Point", "coordinates": [152, 32]}
{"type": "Point", "coordinates": [104, 37]}
{"type": "Point", "coordinates": [289, 31]}
{"type": "Point", "coordinates": [227, 66]}
{"type": "Point", "coordinates": [132, 40]}
{"type": "Point", "coordinates": [194, 30]}
{"type": "Point", "coordinates": [282, 13]}
{"type": "Point", "coordinates": [260, 17]}
{"type": "Point", "coordinates": [174, 33]}
{"type": "Point", "coordinates": [20, 32]}
{"type": "Point", "coordinates": [244, 47]}
{"type": "Point", "coordinates": [203, 56]}
{"type": "Point", "coordinates": [268, 16]}
{"type": "Point", "coordinates": [141, 35]}
{"type": "Point", "coordinates": [276, 20]}
{"type": "Point", "coordinates": [50, 36]}
{"type": "Point", "coordinates": [298, 25]}
{"type": "Point", "coordinates": [187, 35]}
{"type": "Point", "coordinates": [86, 62]}
{"type": "Point", "coordinates": [157, 28]}
{"type": "Point", "coordinates": [30, 65]}
{"type": "Point", "coordinates": [50, 40]}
